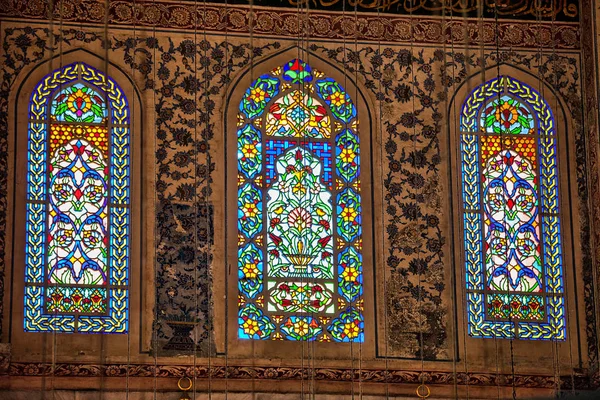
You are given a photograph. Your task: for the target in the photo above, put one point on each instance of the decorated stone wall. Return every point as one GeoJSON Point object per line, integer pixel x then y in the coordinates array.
{"type": "Point", "coordinates": [183, 77]}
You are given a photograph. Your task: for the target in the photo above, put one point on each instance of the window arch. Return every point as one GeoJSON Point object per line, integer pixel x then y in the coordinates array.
{"type": "Point", "coordinates": [510, 197]}
{"type": "Point", "coordinates": [299, 209]}
{"type": "Point", "coordinates": [77, 205]}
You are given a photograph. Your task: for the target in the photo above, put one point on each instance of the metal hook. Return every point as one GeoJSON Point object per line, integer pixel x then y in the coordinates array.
{"type": "Point", "coordinates": [184, 395]}
{"type": "Point", "coordinates": [423, 395]}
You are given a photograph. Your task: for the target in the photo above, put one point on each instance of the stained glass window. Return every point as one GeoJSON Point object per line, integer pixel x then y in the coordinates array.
{"type": "Point", "coordinates": [513, 255]}
{"type": "Point", "coordinates": [77, 208]}
{"type": "Point", "coordinates": [299, 209]}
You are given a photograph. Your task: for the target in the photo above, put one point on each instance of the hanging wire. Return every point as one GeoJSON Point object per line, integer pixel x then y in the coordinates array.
{"type": "Point", "coordinates": [157, 233]}
{"type": "Point", "coordinates": [502, 149]}
{"type": "Point", "coordinates": [566, 298]}
{"type": "Point", "coordinates": [495, 319]}
{"type": "Point", "coordinates": [311, 344]}
{"type": "Point", "coordinates": [482, 55]}
{"type": "Point", "coordinates": [206, 205]}
{"type": "Point", "coordinates": [345, 126]}
{"type": "Point", "coordinates": [251, 50]}
{"type": "Point", "coordinates": [60, 85]}
{"type": "Point", "coordinates": [456, 112]}
{"type": "Point", "coordinates": [206, 214]}
{"type": "Point", "coordinates": [108, 122]}
{"type": "Point", "coordinates": [133, 120]}
{"type": "Point", "coordinates": [355, 85]}
{"type": "Point", "coordinates": [422, 385]}
{"type": "Point", "coordinates": [541, 89]}
{"type": "Point", "coordinates": [444, 25]}
{"type": "Point", "coordinates": [382, 197]}
{"type": "Point", "coordinates": [196, 265]}
{"type": "Point", "coordinates": [226, 296]}
{"type": "Point", "coordinates": [301, 139]}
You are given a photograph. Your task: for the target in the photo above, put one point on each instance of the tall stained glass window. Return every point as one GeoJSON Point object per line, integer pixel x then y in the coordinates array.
{"type": "Point", "coordinates": [513, 256]}
{"type": "Point", "coordinates": [77, 216]}
{"type": "Point", "coordinates": [299, 209]}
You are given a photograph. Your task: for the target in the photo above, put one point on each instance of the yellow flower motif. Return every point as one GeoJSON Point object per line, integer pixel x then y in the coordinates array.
{"type": "Point", "coordinates": [298, 97]}
{"type": "Point", "coordinates": [505, 110]}
{"type": "Point", "coordinates": [337, 99]}
{"type": "Point", "coordinates": [257, 94]}
{"type": "Point", "coordinates": [250, 326]}
{"type": "Point", "coordinates": [349, 214]}
{"type": "Point", "coordinates": [299, 188]}
{"type": "Point", "coordinates": [301, 327]}
{"type": "Point", "coordinates": [79, 101]}
{"type": "Point", "coordinates": [278, 210]}
{"type": "Point", "coordinates": [351, 330]}
{"type": "Point", "coordinates": [250, 271]}
{"type": "Point", "coordinates": [250, 210]}
{"type": "Point", "coordinates": [249, 150]}
{"type": "Point", "coordinates": [348, 155]}
{"type": "Point", "coordinates": [350, 274]}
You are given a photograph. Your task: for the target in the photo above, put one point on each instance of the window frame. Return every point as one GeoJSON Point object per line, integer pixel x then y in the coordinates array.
{"type": "Point", "coordinates": [474, 349]}
{"type": "Point", "coordinates": [27, 346]}
{"type": "Point", "coordinates": [226, 335]}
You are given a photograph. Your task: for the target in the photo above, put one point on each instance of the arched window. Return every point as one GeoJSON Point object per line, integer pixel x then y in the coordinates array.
{"type": "Point", "coordinates": [510, 198]}
{"type": "Point", "coordinates": [299, 209]}
{"type": "Point", "coordinates": [77, 208]}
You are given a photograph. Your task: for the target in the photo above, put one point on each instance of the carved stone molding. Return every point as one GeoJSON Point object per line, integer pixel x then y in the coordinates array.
{"type": "Point", "coordinates": [4, 358]}
{"type": "Point", "coordinates": [453, 30]}
{"type": "Point", "coordinates": [581, 381]}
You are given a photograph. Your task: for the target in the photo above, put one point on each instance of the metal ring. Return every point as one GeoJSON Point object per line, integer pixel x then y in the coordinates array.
{"type": "Point", "coordinates": [182, 388]}
{"type": "Point", "coordinates": [418, 391]}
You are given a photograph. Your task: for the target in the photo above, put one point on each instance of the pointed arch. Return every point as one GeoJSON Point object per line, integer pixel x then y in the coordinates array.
{"type": "Point", "coordinates": [77, 204]}
{"type": "Point", "coordinates": [299, 257]}
{"type": "Point", "coordinates": [514, 273]}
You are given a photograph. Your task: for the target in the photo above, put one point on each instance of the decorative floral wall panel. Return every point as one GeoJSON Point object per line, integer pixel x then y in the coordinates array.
{"type": "Point", "coordinates": [184, 80]}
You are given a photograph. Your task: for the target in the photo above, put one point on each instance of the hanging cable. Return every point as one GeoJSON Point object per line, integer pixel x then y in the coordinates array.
{"type": "Point", "coordinates": [495, 318]}
{"type": "Point", "coordinates": [455, 113]}
{"type": "Point", "coordinates": [206, 195]}
{"type": "Point", "coordinates": [444, 25]}
{"type": "Point", "coordinates": [355, 85]}
{"type": "Point", "coordinates": [423, 385]}
{"type": "Point", "coordinates": [108, 123]}
{"type": "Point", "coordinates": [482, 55]}
{"type": "Point", "coordinates": [380, 122]}
{"type": "Point", "coordinates": [133, 124]}
{"type": "Point", "coordinates": [195, 194]}
{"type": "Point", "coordinates": [157, 234]}
{"type": "Point", "coordinates": [568, 331]}
{"type": "Point", "coordinates": [52, 45]}
{"type": "Point", "coordinates": [228, 266]}
{"type": "Point", "coordinates": [503, 143]}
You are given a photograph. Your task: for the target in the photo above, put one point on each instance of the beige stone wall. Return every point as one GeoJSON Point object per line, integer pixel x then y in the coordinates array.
{"type": "Point", "coordinates": [182, 151]}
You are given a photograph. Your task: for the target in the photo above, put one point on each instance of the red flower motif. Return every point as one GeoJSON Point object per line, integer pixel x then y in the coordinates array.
{"type": "Point", "coordinates": [274, 253]}
{"type": "Point", "coordinates": [323, 241]}
{"type": "Point", "coordinates": [284, 287]}
{"type": "Point", "coordinates": [324, 224]}
{"type": "Point", "coordinates": [276, 239]}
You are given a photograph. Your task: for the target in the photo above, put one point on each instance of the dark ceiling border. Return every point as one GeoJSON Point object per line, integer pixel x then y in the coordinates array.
{"type": "Point", "coordinates": [452, 29]}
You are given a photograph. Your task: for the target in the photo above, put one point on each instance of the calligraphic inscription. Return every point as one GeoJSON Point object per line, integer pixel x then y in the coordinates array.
{"type": "Point", "coordinates": [550, 10]}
